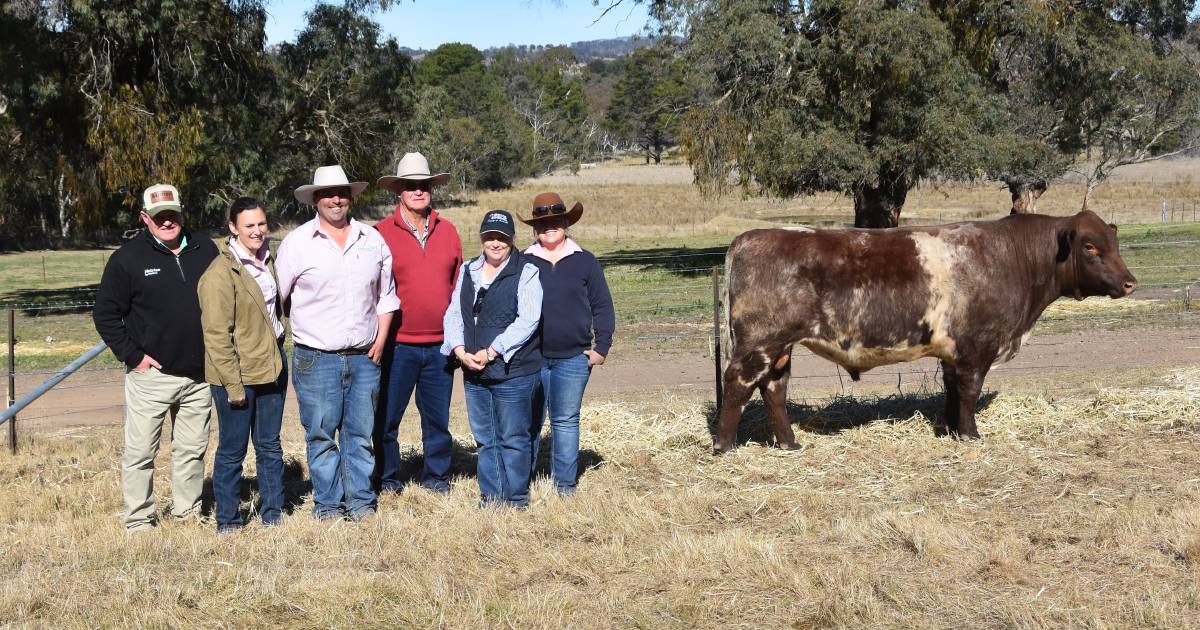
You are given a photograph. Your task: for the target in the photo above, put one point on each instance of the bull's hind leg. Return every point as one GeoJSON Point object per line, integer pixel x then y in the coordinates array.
{"type": "Point", "coordinates": [744, 372]}
{"type": "Point", "coordinates": [774, 393]}
{"type": "Point", "coordinates": [949, 424]}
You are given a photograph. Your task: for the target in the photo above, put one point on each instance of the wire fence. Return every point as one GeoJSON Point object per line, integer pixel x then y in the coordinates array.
{"type": "Point", "coordinates": [663, 301]}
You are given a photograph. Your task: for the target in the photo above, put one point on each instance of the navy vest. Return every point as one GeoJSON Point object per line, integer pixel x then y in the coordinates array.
{"type": "Point", "coordinates": [497, 310]}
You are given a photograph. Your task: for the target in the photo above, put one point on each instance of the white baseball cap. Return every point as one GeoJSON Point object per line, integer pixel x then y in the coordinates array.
{"type": "Point", "coordinates": [160, 197]}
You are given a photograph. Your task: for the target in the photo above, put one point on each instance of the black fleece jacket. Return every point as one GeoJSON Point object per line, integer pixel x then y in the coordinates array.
{"type": "Point", "coordinates": [147, 303]}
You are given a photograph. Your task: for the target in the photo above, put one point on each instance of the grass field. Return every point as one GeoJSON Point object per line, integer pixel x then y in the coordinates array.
{"type": "Point", "coordinates": [660, 239]}
{"type": "Point", "coordinates": [1077, 510]}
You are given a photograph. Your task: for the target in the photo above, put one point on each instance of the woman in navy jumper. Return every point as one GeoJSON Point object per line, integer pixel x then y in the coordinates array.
{"type": "Point", "coordinates": [491, 327]}
{"type": "Point", "coordinates": [577, 328]}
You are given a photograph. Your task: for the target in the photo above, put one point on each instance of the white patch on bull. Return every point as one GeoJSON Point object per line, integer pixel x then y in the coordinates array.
{"type": "Point", "coordinates": [758, 377]}
{"type": "Point", "coordinates": [1007, 353]}
{"type": "Point", "coordinates": [938, 259]}
{"type": "Point", "coordinates": [863, 358]}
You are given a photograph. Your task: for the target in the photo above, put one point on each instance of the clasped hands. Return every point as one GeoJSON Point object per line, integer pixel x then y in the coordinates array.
{"type": "Point", "coordinates": [475, 361]}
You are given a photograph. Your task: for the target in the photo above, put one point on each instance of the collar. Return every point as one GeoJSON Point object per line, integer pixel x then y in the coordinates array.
{"type": "Point", "coordinates": [355, 229]}
{"type": "Point", "coordinates": [478, 262]}
{"type": "Point", "coordinates": [240, 253]}
{"type": "Point", "coordinates": [570, 247]}
{"type": "Point", "coordinates": [182, 241]}
{"type": "Point", "coordinates": [400, 221]}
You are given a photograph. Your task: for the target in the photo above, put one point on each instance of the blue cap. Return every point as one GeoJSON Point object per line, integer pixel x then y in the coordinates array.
{"type": "Point", "coordinates": [498, 221]}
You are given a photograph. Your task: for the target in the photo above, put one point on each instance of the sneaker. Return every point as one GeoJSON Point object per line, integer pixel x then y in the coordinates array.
{"type": "Point", "coordinates": [440, 487]}
{"type": "Point", "coordinates": [363, 515]}
{"type": "Point", "coordinates": [229, 529]}
{"type": "Point", "coordinates": [141, 528]}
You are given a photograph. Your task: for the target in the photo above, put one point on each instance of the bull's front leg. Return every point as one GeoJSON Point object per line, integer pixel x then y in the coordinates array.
{"type": "Point", "coordinates": [949, 424]}
{"type": "Point", "coordinates": [970, 382]}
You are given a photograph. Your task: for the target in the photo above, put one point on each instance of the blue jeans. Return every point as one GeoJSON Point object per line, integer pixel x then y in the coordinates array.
{"type": "Point", "coordinates": [337, 394]}
{"type": "Point", "coordinates": [499, 416]}
{"type": "Point", "coordinates": [561, 394]}
{"type": "Point", "coordinates": [423, 367]}
{"type": "Point", "coordinates": [258, 420]}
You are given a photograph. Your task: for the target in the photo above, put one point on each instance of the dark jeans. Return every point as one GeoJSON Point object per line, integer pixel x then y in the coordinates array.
{"type": "Point", "coordinates": [419, 366]}
{"type": "Point", "coordinates": [499, 415]}
{"type": "Point", "coordinates": [337, 395]}
{"type": "Point", "coordinates": [561, 395]}
{"type": "Point", "coordinates": [258, 421]}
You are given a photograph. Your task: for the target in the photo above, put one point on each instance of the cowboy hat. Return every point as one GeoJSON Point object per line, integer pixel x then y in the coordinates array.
{"type": "Point", "coordinates": [549, 204]}
{"type": "Point", "coordinates": [413, 166]}
{"type": "Point", "coordinates": [328, 177]}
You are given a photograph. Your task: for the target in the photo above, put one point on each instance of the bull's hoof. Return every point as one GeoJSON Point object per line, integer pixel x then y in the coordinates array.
{"type": "Point", "coordinates": [721, 449]}
{"type": "Point", "coordinates": [789, 446]}
{"type": "Point", "coordinates": [973, 435]}
{"type": "Point", "coordinates": [943, 431]}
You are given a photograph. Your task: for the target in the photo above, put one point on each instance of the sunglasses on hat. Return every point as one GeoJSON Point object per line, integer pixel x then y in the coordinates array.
{"type": "Point", "coordinates": [557, 208]}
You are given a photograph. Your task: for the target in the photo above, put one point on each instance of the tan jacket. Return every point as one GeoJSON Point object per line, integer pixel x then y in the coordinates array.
{"type": "Point", "coordinates": [240, 347]}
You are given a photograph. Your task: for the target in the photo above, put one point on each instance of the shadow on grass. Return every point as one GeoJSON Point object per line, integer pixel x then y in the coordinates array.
{"type": "Point", "coordinates": [464, 462]}
{"type": "Point", "coordinates": [296, 489]}
{"type": "Point", "coordinates": [34, 302]}
{"type": "Point", "coordinates": [839, 414]}
{"type": "Point", "coordinates": [688, 262]}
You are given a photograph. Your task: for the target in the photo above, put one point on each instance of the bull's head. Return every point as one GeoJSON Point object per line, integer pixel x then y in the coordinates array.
{"type": "Point", "coordinates": [1090, 263]}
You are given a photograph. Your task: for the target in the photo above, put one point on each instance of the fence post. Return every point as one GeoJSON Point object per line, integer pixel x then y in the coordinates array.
{"type": "Point", "coordinates": [1163, 215]}
{"type": "Point", "coordinates": [12, 382]}
{"type": "Point", "coordinates": [716, 276]}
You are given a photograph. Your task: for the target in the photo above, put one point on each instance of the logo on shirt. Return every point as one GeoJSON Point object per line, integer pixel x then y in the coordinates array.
{"type": "Point", "coordinates": [151, 272]}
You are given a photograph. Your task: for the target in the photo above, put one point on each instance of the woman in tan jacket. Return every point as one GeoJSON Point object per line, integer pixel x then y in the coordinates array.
{"type": "Point", "coordinates": [245, 364]}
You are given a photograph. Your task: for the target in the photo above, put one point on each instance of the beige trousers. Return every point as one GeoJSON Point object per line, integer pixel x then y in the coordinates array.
{"type": "Point", "coordinates": [149, 396]}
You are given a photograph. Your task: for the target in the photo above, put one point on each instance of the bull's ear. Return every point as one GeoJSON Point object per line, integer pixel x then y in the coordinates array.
{"type": "Point", "coordinates": [1113, 226]}
{"type": "Point", "coordinates": [1065, 238]}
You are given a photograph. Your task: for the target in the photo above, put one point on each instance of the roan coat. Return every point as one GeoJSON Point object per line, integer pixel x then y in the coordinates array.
{"type": "Point", "coordinates": [966, 293]}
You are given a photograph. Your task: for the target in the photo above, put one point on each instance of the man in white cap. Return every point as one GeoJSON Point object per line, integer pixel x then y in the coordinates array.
{"type": "Point", "coordinates": [337, 274]}
{"type": "Point", "coordinates": [426, 253]}
{"type": "Point", "coordinates": [148, 314]}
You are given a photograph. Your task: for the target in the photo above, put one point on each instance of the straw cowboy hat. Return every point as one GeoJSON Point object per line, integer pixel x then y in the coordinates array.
{"type": "Point", "coordinates": [549, 204]}
{"type": "Point", "coordinates": [328, 177]}
{"type": "Point", "coordinates": [413, 167]}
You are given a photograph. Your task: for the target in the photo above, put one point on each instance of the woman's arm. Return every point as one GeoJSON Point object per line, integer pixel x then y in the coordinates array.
{"type": "Point", "coordinates": [217, 316]}
{"type": "Point", "coordinates": [529, 314]}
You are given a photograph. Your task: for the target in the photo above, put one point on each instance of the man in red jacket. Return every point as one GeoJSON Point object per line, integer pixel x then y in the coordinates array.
{"type": "Point", "coordinates": [426, 254]}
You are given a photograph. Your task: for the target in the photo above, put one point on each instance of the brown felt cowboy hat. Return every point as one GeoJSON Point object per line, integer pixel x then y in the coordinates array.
{"type": "Point", "coordinates": [549, 204]}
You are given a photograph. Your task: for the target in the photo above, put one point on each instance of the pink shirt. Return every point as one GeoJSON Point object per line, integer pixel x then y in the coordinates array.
{"type": "Point", "coordinates": [337, 294]}
{"type": "Point", "coordinates": [569, 247]}
{"type": "Point", "coordinates": [256, 266]}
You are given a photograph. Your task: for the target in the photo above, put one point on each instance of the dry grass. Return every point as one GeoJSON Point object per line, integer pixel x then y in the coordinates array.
{"type": "Point", "coordinates": [628, 200]}
{"type": "Point", "coordinates": [1071, 511]}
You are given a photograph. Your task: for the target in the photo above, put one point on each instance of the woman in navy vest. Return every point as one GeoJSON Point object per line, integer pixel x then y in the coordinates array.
{"type": "Point", "coordinates": [491, 328]}
{"type": "Point", "coordinates": [577, 331]}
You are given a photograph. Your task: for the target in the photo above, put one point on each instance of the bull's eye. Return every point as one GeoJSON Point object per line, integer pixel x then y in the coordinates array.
{"type": "Point", "coordinates": [1091, 249]}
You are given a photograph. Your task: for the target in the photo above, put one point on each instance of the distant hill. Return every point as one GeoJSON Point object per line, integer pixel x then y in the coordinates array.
{"type": "Point", "coordinates": [592, 50]}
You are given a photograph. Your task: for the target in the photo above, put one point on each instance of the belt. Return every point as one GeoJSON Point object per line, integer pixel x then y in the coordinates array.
{"type": "Point", "coordinates": [343, 352]}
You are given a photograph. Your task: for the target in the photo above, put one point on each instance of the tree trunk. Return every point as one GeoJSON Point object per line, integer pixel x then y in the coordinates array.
{"type": "Point", "coordinates": [1025, 195]}
{"type": "Point", "coordinates": [878, 205]}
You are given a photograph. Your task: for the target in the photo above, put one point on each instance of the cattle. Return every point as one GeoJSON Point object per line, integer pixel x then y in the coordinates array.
{"type": "Point", "coordinates": [966, 293]}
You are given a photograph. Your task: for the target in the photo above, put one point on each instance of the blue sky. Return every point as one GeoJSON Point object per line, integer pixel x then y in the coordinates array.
{"type": "Point", "coordinates": [481, 23]}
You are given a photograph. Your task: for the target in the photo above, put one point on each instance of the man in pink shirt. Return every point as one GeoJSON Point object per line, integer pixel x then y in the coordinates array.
{"type": "Point", "coordinates": [426, 253]}
{"type": "Point", "coordinates": [337, 275]}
